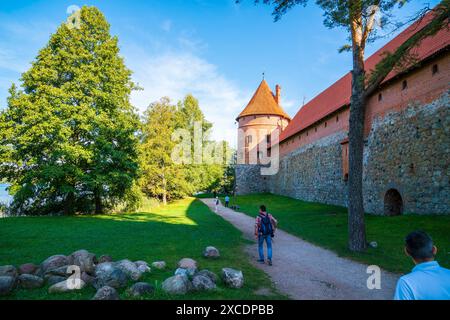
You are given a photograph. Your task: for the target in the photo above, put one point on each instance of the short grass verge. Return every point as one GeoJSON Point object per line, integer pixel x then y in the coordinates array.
{"type": "Point", "coordinates": [169, 233]}
{"type": "Point", "coordinates": [326, 226]}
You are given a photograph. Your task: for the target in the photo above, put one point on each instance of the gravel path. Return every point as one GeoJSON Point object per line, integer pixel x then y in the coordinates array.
{"type": "Point", "coordinates": [302, 270]}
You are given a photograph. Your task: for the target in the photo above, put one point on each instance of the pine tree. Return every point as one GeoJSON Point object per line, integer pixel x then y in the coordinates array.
{"type": "Point", "coordinates": [68, 136]}
{"type": "Point", "coordinates": [358, 18]}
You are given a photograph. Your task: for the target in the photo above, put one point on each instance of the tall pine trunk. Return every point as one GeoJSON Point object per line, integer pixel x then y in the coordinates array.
{"type": "Point", "coordinates": [98, 202]}
{"type": "Point", "coordinates": [356, 225]}
{"type": "Point", "coordinates": [69, 204]}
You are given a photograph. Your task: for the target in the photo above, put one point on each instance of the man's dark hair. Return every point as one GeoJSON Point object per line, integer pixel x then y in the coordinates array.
{"type": "Point", "coordinates": [263, 208]}
{"type": "Point", "coordinates": [419, 245]}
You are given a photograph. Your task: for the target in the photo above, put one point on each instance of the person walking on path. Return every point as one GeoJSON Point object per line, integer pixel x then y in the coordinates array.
{"type": "Point", "coordinates": [265, 226]}
{"type": "Point", "coordinates": [428, 280]}
{"type": "Point", "coordinates": [217, 203]}
{"type": "Point", "coordinates": [227, 201]}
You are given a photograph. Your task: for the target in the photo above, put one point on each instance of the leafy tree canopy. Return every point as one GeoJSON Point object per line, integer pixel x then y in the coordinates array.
{"type": "Point", "coordinates": [166, 179]}
{"type": "Point", "coordinates": [68, 140]}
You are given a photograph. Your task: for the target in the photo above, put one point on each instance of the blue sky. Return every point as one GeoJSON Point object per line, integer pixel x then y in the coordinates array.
{"type": "Point", "coordinates": [215, 49]}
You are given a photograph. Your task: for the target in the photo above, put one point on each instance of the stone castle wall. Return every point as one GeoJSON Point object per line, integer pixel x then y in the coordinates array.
{"type": "Point", "coordinates": [408, 151]}
{"type": "Point", "coordinates": [249, 179]}
{"type": "Point", "coordinates": [313, 173]}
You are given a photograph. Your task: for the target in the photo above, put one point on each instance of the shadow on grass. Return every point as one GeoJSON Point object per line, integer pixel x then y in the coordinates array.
{"type": "Point", "coordinates": [170, 233]}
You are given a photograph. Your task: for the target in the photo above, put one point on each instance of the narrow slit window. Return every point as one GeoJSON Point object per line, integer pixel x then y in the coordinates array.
{"type": "Point", "coordinates": [404, 85]}
{"type": "Point", "coordinates": [435, 69]}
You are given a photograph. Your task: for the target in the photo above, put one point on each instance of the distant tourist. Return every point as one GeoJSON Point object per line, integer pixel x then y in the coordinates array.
{"type": "Point", "coordinates": [428, 280]}
{"type": "Point", "coordinates": [265, 227]}
{"type": "Point", "coordinates": [227, 201]}
{"type": "Point", "coordinates": [217, 203]}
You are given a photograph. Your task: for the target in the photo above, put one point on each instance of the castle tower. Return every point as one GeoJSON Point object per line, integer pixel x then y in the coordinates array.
{"type": "Point", "coordinates": [257, 121]}
{"type": "Point", "coordinates": [256, 125]}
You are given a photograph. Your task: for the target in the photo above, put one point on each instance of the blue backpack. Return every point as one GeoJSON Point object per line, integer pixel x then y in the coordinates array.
{"type": "Point", "coordinates": [266, 227]}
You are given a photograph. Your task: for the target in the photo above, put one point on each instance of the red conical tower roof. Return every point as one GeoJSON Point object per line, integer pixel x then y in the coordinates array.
{"type": "Point", "coordinates": [263, 102]}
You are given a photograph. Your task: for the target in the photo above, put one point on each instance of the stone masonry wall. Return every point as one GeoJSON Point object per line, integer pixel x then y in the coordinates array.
{"type": "Point", "coordinates": [408, 151]}
{"type": "Point", "coordinates": [313, 173]}
{"type": "Point", "coordinates": [249, 179]}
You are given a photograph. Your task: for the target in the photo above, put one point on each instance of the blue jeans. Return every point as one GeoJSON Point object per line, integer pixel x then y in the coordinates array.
{"type": "Point", "coordinates": [268, 240]}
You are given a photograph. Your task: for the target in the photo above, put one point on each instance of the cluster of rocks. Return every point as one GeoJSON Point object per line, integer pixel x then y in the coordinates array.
{"type": "Point", "coordinates": [76, 271]}
{"type": "Point", "coordinates": [82, 268]}
{"type": "Point", "coordinates": [187, 278]}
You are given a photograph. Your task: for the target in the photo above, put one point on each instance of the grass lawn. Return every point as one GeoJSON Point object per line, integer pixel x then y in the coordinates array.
{"type": "Point", "coordinates": [179, 230]}
{"type": "Point", "coordinates": [326, 226]}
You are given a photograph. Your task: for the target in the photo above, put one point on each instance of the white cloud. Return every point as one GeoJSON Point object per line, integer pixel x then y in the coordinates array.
{"type": "Point", "coordinates": [290, 106]}
{"type": "Point", "coordinates": [175, 74]}
{"type": "Point", "coordinates": [161, 69]}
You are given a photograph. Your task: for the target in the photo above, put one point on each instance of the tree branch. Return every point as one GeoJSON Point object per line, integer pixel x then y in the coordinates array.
{"type": "Point", "coordinates": [391, 60]}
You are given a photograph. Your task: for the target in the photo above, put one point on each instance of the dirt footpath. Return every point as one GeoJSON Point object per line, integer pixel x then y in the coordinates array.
{"type": "Point", "coordinates": [302, 270]}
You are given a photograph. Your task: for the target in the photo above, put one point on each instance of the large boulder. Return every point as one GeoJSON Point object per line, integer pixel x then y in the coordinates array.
{"type": "Point", "coordinates": [187, 263]}
{"type": "Point", "coordinates": [85, 260]}
{"type": "Point", "coordinates": [28, 268]}
{"type": "Point", "coordinates": [190, 265]}
{"type": "Point", "coordinates": [60, 271]}
{"type": "Point", "coordinates": [39, 272]}
{"type": "Point", "coordinates": [54, 262]}
{"type": "Point", "coordinates": [107, 274]}
{"type": "Point", "coordinates": [51, 279]}
{"type": "Point", "coordinates": [106, 293]}
{"type": "Point", "coordinates": [29, 281]}
{"type": "Point", "coordinates": [7, 284]}
{"type": "Point", "coordinates": [143, 266]}
{"type": "Point", "coordinates": [139, 289]}
{"type": "Point", "coordinates": [160, 265]}
{"type": "Point", "coordinates": [211, 252]}
{"type": "Point", "coordinates": [62, 287]}
{"type": "Point", "coordinates": [8, 271]}
{"type": "Point", "coordinates": [201, 283]}
{"type": "Point", "coordinates": [105, 258]}
{"type": "Point", "coordinates": [178, 284]}
{"type": "Point", "coordinates": [129, 268]}
{"type": "Point", "coordinates": [232, 278]}
{"type": "Point", "coordinates": [209, 274]}
{"type": "Point", "coordinates": [87, 278]}
{"type": "Point", "coordinates": [185, 272]}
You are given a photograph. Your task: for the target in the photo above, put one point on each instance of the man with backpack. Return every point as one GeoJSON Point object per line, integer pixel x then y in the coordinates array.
{"type": "Point", "coordinates": [265, 227]}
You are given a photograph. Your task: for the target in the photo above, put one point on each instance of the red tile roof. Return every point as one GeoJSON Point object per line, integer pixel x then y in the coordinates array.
{"type": "Point", "coordinates": [263, 103]}
{"type": "Point", "coordinates": [338, 94]}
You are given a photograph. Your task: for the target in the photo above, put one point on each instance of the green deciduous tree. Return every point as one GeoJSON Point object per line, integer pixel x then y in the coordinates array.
{"type": "Point", "coordinates": [198, 169]}
{"type": "Point", "coordinates": [358, 17]}
{"type": "Point", "coordinates": [161, 177]}
{"type": "Point", "coordinates": [68, 141]}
